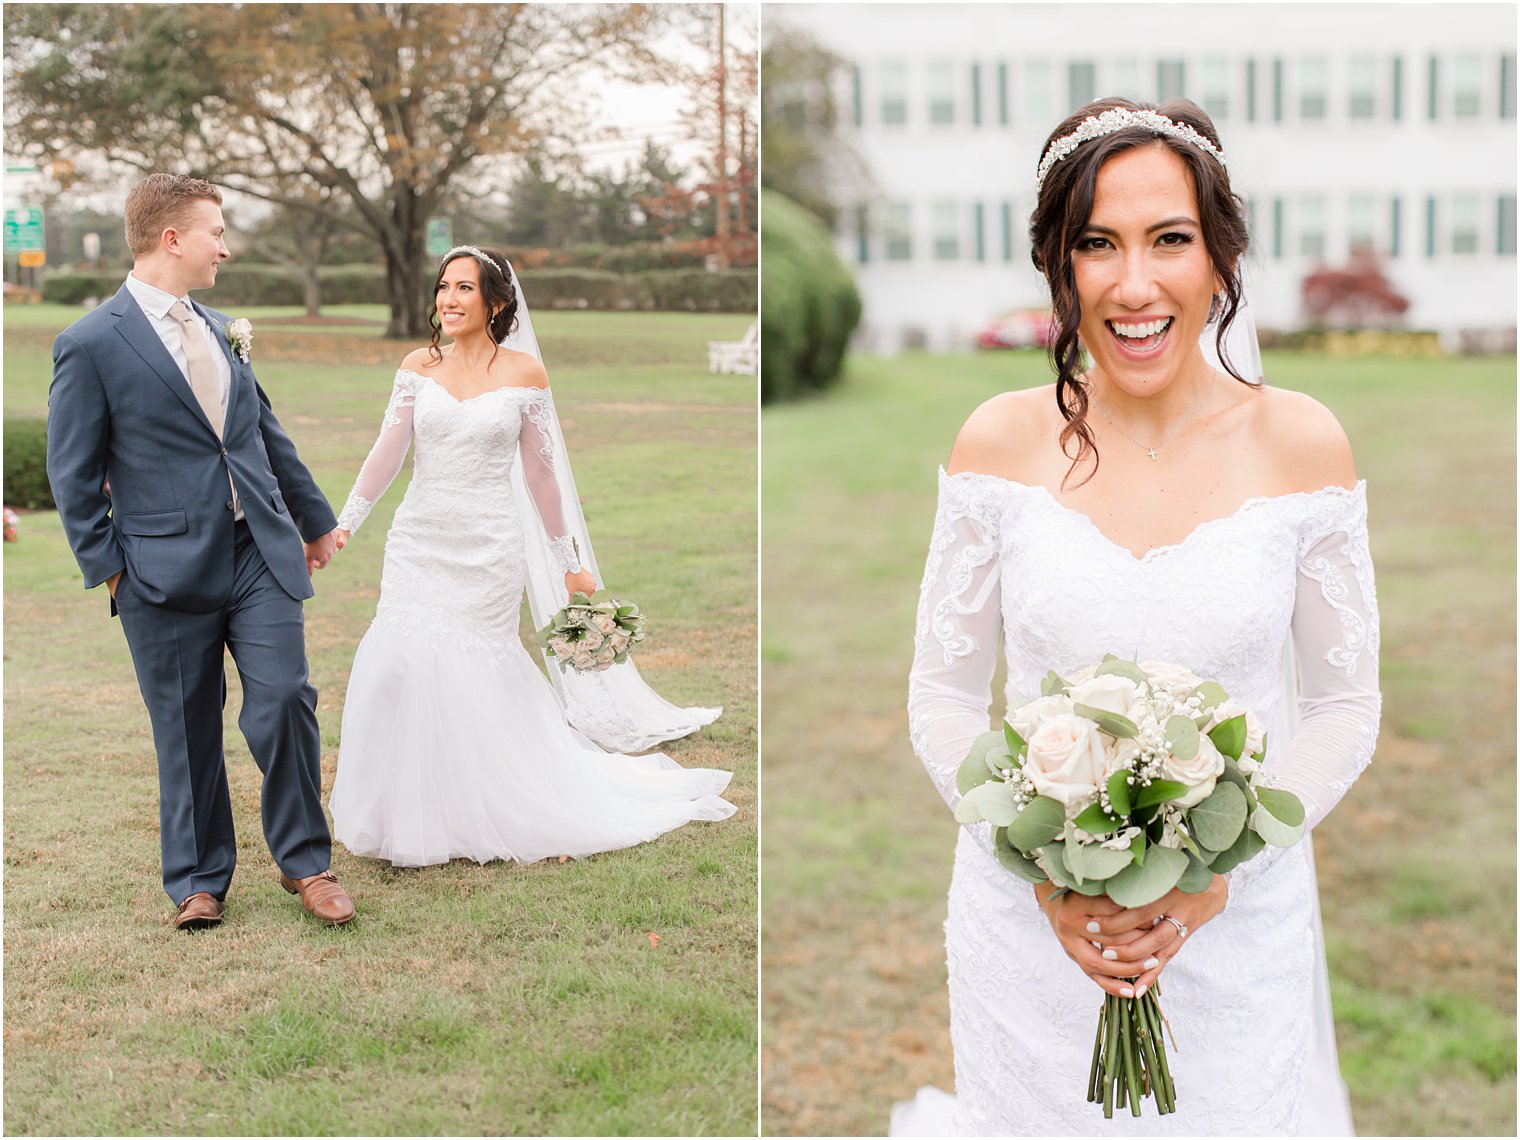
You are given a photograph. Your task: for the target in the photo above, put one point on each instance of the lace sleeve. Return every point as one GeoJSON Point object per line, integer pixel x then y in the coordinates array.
{"type": "Point", "coordinates": [959, 624]}
{"type": "Point", "coordinates": [536, 453]}
{"type": "Point", "coordinates": [1335, 640]}
{"type": "Point", "coordinates": [385, 459]}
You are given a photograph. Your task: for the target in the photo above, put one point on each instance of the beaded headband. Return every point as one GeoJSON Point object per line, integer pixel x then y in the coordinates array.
{"type": "Point", "coordinates": [1117, 119]}
{"type": "Point", "coordinates": [477, 254]}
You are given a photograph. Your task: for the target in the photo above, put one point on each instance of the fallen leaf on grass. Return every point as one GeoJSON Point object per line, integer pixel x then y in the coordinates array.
{"type": "Point", "coordinates": [654, 939]}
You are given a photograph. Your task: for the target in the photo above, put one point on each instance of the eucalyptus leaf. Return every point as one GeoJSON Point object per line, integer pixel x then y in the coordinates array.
{"type": "Point", "coordinates": [1141, 884]}
{"type": "Point", "coordinates": [988, 748]}
{"type": "Point", "coordinates": [1118, 667]}
{"type": "Point", "coordinates": [1094, 820]}
{"type": "Point", "coordinates": [1211, 694]}
{"type": "Point", "coordinates": [1053, 685]}
{"type": "Point", "coordinates": [1246, 846]}
{"type": "Point", "coordinates": [1038, 824]}
{"type": "Point", "coordinates": [1096, 862]}
{"type": "Point", "coordinates": [1230, 736]}
{"type": "Point", "coordinates": [1118, 791]}
{"type": "Point", "coordinates": [1159, 792]}
{"type": "Point", "coordinates": [1284, 806]}
{"type": "Point", "coordinates": [1060, 873]}
{"type": "Point", "coordinates": [1119, 727]}
{"type": "Point", "coordinates": [1273, 830]}
{"type": "Point", "coordinates": [993, 801]}
{"type": "Point", "coordinates": [972, 773]}
{"type": "Point", "coordinates": [1138, 847]}
{"type": "Point", "coordinates": [1183, 735]}
{"type": "Point", "coordinates": [1012, 740]}
{"type": "Point", "coordinates": [1014, 859]}
{"type": "Point", "coordinates": [1217, 820]}
{"type": "Point", "coordinates": [1197, 878]}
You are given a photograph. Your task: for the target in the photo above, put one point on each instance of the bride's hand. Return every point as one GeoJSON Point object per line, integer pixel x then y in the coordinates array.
{"type": "Point", "coordinates": [1132, 943]}
{"type": "Point", "coordinates": [579, 582]}
{"type": "Point", "coordinates": [341, 537]}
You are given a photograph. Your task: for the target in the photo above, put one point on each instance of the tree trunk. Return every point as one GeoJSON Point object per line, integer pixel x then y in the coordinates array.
{"type": "Point", "coordinates": [311, 284]}
{"type": "Point", "coordinates": [406, 271]}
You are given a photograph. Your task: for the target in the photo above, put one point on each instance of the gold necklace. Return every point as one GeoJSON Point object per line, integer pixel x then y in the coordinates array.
{"type": "Point", "coordinates": [1176, 427]}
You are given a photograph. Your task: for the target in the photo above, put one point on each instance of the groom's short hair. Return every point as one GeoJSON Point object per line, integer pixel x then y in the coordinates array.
{"type": "Point", "coordinates": [160, 201]}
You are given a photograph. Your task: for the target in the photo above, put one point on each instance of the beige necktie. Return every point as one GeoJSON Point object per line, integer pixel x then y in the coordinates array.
{"type": "Point", "coordinates": [203, 379]}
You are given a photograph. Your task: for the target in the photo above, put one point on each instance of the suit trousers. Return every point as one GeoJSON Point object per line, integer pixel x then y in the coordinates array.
{"type": "Point", "coordinates": [180, 670]}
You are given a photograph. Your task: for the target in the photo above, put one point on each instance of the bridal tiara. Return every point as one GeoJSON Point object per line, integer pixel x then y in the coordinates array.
{"type": "Point", "coordinates": [1117, 119]}
{"type": "Point", "coordinates": [477, 254]}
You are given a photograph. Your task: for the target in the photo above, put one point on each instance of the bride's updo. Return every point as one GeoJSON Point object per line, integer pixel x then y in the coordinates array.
{"type": "Point", "coordinates": [495, 289]}
{"type": "Point", "coordinates": [1065, 205]}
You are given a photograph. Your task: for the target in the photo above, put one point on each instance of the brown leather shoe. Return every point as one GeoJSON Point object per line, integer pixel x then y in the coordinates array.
{"type": "Point", "coordinates": [200, 910]}
{"type": "Point", "coordinates": [322, 897]}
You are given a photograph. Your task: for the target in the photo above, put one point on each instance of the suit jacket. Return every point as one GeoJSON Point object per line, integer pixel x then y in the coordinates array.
{"type": "Point", "coordinates": [119, 408]}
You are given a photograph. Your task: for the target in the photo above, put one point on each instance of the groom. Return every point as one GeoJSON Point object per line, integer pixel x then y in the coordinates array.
{"type": "Point", "coordinates": [180, 491]}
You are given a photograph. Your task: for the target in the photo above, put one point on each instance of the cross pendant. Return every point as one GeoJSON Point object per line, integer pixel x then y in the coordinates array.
{"type": "Point", "coordinates": [1151, 451]}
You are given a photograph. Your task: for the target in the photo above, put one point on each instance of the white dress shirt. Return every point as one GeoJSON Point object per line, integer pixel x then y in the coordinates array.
{"type": "Point", "coordinates": [155, 304]}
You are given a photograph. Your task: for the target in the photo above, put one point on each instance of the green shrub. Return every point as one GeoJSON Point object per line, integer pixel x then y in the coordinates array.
{"type": "Point", "coordinates": [810, 305]}
{"type": "Point", "coordinates": [26, 479]}
{"type": "Point", "coordinates": [75, 288]}
{"type": "Point", "coordinates": [356, 284]}
{"type": "Point", "coordinates": [698, 291]}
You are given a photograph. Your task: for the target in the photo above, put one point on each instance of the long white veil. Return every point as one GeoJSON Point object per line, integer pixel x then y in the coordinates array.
{"type": "Point", "coordinates": [616, 708]}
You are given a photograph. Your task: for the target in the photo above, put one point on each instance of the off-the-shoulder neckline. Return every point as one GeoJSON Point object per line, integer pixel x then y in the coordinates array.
{"type": "Point", "coordinates": [478, 395]}
{"type": "Point", "coordinates": [1331, 491]}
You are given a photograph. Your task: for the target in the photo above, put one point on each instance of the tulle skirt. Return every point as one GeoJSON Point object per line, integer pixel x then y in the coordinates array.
{"type": "Point", "coordinates": [457, 748]}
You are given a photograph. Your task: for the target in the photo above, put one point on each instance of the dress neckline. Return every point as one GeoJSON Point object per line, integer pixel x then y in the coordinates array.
{"type": "Point", "coordinates": [1332, 490]}
{"type": "Point", "coordinates": [478, 395]}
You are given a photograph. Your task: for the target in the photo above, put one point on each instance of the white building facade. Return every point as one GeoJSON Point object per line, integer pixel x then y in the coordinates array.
{"type": "Point", "coordinates": [1385, 127]}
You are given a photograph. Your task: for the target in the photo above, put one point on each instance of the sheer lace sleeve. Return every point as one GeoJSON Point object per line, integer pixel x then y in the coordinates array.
{"type": "Point", "coordinates": [385, 459]}
{"type": "Point", "coordinates": [1335, 640]}
{"type": "Point", "coordinates": [959, 626]}
{"type": "Point", "coordinates": [536, 453]}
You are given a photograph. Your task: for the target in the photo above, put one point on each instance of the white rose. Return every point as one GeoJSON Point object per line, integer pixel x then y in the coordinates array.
{"type": "Point", "coordinates": [591, 640]}
{"type": "Point", "coordinates": [604, 623]}
{"type": "Point", "coordinates": [1027, 718]}
{"type": "Point", "coordinates": [1086, 673]}
{"type": "Point", "coordinates": [1066, 760]}
{"type": "Point", "coordinates": [1108, 692]}
{"type": "Point", "coordinates": [1172, 678]}
{"type": "Point", "coordinates": [561, 647]}
{"type": "Point", "coordinates": [1198, 774]}
{"type": "Point", "coordinates": [583, 660]}
{"type": "Point", "coordinates": [1255, 735]}
{"type": "Point", "coordinates": [618, 641]}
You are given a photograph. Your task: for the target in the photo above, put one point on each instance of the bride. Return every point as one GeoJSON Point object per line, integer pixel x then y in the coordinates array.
{"type": "Point", "coordinates": [1162, 505]}
{"type": "Point", "coordinates": [454, 744]}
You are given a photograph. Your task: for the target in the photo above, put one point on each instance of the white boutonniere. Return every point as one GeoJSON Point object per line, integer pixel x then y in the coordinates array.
{"type": "Point", "coordinates": [239, 334]}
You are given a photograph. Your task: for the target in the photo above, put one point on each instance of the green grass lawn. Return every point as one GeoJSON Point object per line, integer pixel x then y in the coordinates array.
{"type": "Point", "coordinates": [1417, 864]}
{"type": "Point", "coordinates": [465, 999]}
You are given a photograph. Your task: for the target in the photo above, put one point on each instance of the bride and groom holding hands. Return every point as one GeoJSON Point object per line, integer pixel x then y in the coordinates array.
{"type": "Point", "coordinates": [179, 490]}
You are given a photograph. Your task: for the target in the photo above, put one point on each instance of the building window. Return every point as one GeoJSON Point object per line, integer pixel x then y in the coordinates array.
{"type": "Point", "coordinates": [979, 222]}
{"type": "Point", "coordinates": [894, 94]}
{"type": "Point", "coordinates": [1395, 226]}
{"type": "Point", "coordinates": [1464, 223]}
{"type": "Point", "coordinates": [1214, 88]}
{"type": "Point", "coordinates": [1125, 81]}
{"type": "Point", "coordinates": [1506, 87]}
{"type": "Point", "coordinates": [1361, 223]}
{"type": "Point", "coordinates": [1007, 230]}
{"type": "Point", "coordinates": [947, 231]}
{"type": "Point", "coordinates": [1361, 79]}
{"type": "Point", "coordinates": [1313, 88]}
{"type": "Point", "coordinates": [1081, 83]}
{"type": "Point", "coordinates": [1038, 106]}
{"type": "Point", "coordinates": [1250, 90]}
{"type": "Point", "coordinates": [1506, 225]}
{"type": "Point", "coordinates": [859, 97]}
{"type": "Point", "coordinates": [862, 233]}
{"type": "Point", "coordinates": [1277, 90]}
{"type": "Point", "coordinates": [1277, 228]}
{"type": "Point", "coordinates": [1396, 90]}
{"type": "Point", "coordinates": [1435, 88]}
{"type": "Point", "coordinates": [1002, 94]}
{"type": "Point", "coordinates": [941, 94]}
{"type": "Point", "coordinates": [976, 94]}
{"type": "Point", "coordinates": [899, 235]}
{"type": "Point", "coordinates": [1467, 86]}
{"type": "Point", "coordinates": [1430, 226]}
{"type": "Point", "coordinates": [1171, 80]}
{"type": "Point", "coordinates": [1311, 226]}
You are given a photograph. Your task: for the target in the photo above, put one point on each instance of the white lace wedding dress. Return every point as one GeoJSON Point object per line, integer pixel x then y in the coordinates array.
{"type": "Point", "coordinates": [454, 744]}
{"type": "Point", "coordinates": [1238, 601]}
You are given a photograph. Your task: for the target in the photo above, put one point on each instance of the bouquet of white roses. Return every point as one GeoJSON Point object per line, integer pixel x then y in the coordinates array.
{"type": "Point", "coordinates": [1128, 780]}
{"type": "Point", "coordinates": [590, 636]}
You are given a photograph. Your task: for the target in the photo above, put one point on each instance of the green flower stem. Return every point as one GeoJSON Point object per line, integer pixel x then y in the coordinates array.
{"type": "Point", "coordinates": [1131, 1059]}
{"type": "Point", "coordinates": [1110, 1056]}
{"type": "Point", "coordinates": [1168, 1096]}
{"type": "Point", "coordinates": [1095, 1073]}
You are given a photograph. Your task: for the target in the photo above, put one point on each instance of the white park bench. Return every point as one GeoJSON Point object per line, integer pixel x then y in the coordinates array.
{"type": "Point", "coordinates": [742, 356]}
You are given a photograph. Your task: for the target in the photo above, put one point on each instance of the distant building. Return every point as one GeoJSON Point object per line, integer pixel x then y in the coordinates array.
{"type": "Point", "coordinates": [1387, 127]}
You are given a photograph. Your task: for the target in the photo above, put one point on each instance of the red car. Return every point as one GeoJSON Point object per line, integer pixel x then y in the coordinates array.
{"type": "Point", "coordinates": [1023, 328]}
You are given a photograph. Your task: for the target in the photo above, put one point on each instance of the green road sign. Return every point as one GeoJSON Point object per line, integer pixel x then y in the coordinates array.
{"type": "Point", "coordinates": [23, 229]}
{"type": "Point", "coordinates": [440, 236]}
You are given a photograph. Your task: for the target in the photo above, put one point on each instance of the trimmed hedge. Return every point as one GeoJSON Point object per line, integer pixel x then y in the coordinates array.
{"type": "Point", "coordinates": [26, 480]}
{"type": "Point", "coordinates": [810, 305]}
{"type": "Point", "coordinates": [241, 284]}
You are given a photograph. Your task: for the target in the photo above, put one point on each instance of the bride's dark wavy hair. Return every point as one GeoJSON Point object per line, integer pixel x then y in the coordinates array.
{"type": "Point", "coordinates": [1062, 212]}
{"type": "Point", "coordinates": [495, 289]}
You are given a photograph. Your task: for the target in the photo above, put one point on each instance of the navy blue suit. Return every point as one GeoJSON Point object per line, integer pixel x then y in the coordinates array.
{"type": "Point", "coordinates": [195, 582]}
